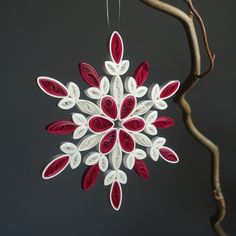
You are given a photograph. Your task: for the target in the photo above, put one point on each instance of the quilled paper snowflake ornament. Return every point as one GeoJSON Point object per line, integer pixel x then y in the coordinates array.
{"type": "Point", "coordinates": [117, 124]}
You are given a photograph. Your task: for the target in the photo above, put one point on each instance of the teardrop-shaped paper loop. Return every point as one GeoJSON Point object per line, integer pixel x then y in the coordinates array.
{"type": "Point", "coordinates": [134, 124]}
{"type": "Point", "coordinates": [89, 141]}
{"type": "Point", "coordinates": [143, 107]}
{"type": "Point", "coordinates": [116, 157]}
{"type": "Point", "coordinates": [110, 177]}
{"type": "Point", "coordinates": [141, 73]}
{"type": "Point", "coordinates": [141, 169]}
{"type": "Point", "coordinates": [127, 106]}
{"type": "Point", "coordinates": [168, 155]}
{"type": "Point", "coordinates": [169, 89]}
{"type": "Point", "coordinates": [108, 142]}
{"type": "Point", "coordinates": [80, 132]}
{"type": "Point", "coordinates": [88, 107]}
{"type": "Point", "coordinates": [103, 163]}
{"type": "Point", "coordinates": [52, 87]}
{"type": "Point", "coordinates": [99, 124]}
{"type": "Point", "coordinates": [92, 158]}
{"type": "Point", "coordinates": [153, 153]}
{"type": "Point", "coordinates": [117, 89]}
{"type": "Point", "coordinates": [116, 47]}
{"type": "Point", "coordinates": [75, 160]}
{"type": "Point", "coordinates": [109, 107]}
{"type": "Point", "coordinates": [126, 141]}
{"type": "Point", "coordinates": [89, 177]}
{"type": "Point", "coordinates": [116, 195]}
{"type": "Point", "coordinates": [66, 103]}
{"type": "Point", "coordinates": [129, 161]}
{"type": "Point", "coordinates": [105, 85]}
{"type": "Point", "coordinates": [142, 139]}
{"type": "Point", "coordinates": [89, 74]}
{"type": "Point", "coordinates": [55, 167]}
{"type": "Point", "coordinates": [140, 154]}
{"type": "Point", "coordinates": [163, 122]}
{"type": "Point", "coordinates": [150, 129]}
{"type": "Point", "coordinates": [61, 127]}
{"type": "Point", "coordinates": [151, 116]}
{"type": "Point", "coordinates": [74, 91]}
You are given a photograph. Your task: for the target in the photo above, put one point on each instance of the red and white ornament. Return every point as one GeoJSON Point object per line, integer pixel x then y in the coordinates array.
{"type": "Point", "coordinates": [116, 124]}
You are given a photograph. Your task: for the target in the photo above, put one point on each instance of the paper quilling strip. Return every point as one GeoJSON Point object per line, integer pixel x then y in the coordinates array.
{"type": "Point", "coordinates": [117, 123]}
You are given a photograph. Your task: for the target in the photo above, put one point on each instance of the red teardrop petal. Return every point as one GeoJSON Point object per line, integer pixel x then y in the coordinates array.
{"type": "Point", "coordinates": [62, 127]}
{"type": "Point", "coordinates": [108, 141]}
{"type": "Point", "coordinates": [109, 107]}
{"type": "Point", "coordinates": [55, 167]}
{"type": "Point", "coordinates": [52, 87]}
{"type": "Point", "coordinates": [169, 89]}
{"type": "Point", "coordinates": [141, 73]}
{"type": "Point", "coordinates": [163, 122]}
{"type": "Point", "coordinates": [116, 195]}
{"type": "Point", "coordinates": [141, 169]}
{"type": "Point", "coordinates": [90, 176]}
{"type": "Point", "coordinates": [126, 141]}
{"type": "Point", "coordinates": [89, 74]}
{"type": "Point", "coordinates": [99, 124]}
{"type": "Point", "coordinates": [134, 124]}
{"type": "Point", "coordinates": [127, 106]}
{"type": "Point", "coordinates": [168, 154]}
{"type": "Point", "coordinates": [116, 47]}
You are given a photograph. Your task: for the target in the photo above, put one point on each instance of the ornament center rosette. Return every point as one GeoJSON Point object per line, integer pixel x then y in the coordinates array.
{"type": "Point", "coordinates": [118, 121]}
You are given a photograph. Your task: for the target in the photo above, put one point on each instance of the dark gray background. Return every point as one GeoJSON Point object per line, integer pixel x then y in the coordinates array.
{"type": "Point", "coordinates": [50, 38]}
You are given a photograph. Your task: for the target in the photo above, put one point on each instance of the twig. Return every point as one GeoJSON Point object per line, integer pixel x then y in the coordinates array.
{"type": "Point", "coordinates": [186, 86]}
{"type": "Point", "coordinates": [211, 55]}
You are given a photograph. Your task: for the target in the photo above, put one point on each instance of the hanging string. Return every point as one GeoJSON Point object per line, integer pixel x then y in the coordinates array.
{"type": "Point", "coordinates": [108, 14]}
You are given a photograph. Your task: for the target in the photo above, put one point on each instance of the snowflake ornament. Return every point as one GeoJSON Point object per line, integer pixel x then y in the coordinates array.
{"type": "Point", "coordinates": [116, 125]}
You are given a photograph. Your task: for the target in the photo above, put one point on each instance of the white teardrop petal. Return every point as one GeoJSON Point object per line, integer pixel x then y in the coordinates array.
{"type": "Point", "coordinates": [68, 148]}
{"type": "Point", "coordinates": [92, 158]}
{"type": "Point", "coordinates": [143, 107]}
{"type": "Point", "coordinates": [110, 67]}
{"type": "Point", "coordinates": [121, 177]}
{"type": "Point", "coordinates": [93, 93]}
{"type": "Point", "coordinates": [89, 142]}
{"type": "Point", "coordinates": [79, 119]}
{"type": "Point", "coordinates": [142, 139]}
{"type": "Point", "coordinates": [103, 163]}
{"type": "Point", "coordinates": [153, 153]}
{"type": "Point", "coordinates": [66, 103]}
{"type": "Point", "coordinates": [123, 67]}
{"type": "Point", "coordinates": [88, 107]}
{"type": "Point", "coordinates": [110, 177]}
{"type": "Point", "coordinates": [130, 85]}
{"type": "Point", "coordinates": [129, 161]}
{"type": "Point", "coordinates": [151, 116]}
{"type": "Point", "coordinates": [74, 91]}
{"type": "Point", "coordinates": [80, 132]}
{"type": "Point", "coordinates": [117, 89]}
{"type": "Point", "coordinates": [75, 160]}
{"type": "Point", "coordinates": [150, 129]}
{"type": "Point", "coordinates": [141, 91]}
{"type": "Point", "coordinates": [158, 142]}
{"type": "Point", "coordinates": [139, 154]}
{"type": "Point", "coordinates": [155, 92]}
{"type": "Point", "coordinates": [116, 157]}
{"type": "Point", "coordinates": [161, 104]}
{"type": "Point", "coordinates": [105, 85]}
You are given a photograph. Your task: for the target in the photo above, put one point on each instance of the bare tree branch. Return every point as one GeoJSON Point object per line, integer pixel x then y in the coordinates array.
{"type": "Point", "coordinates": [186, 86]}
